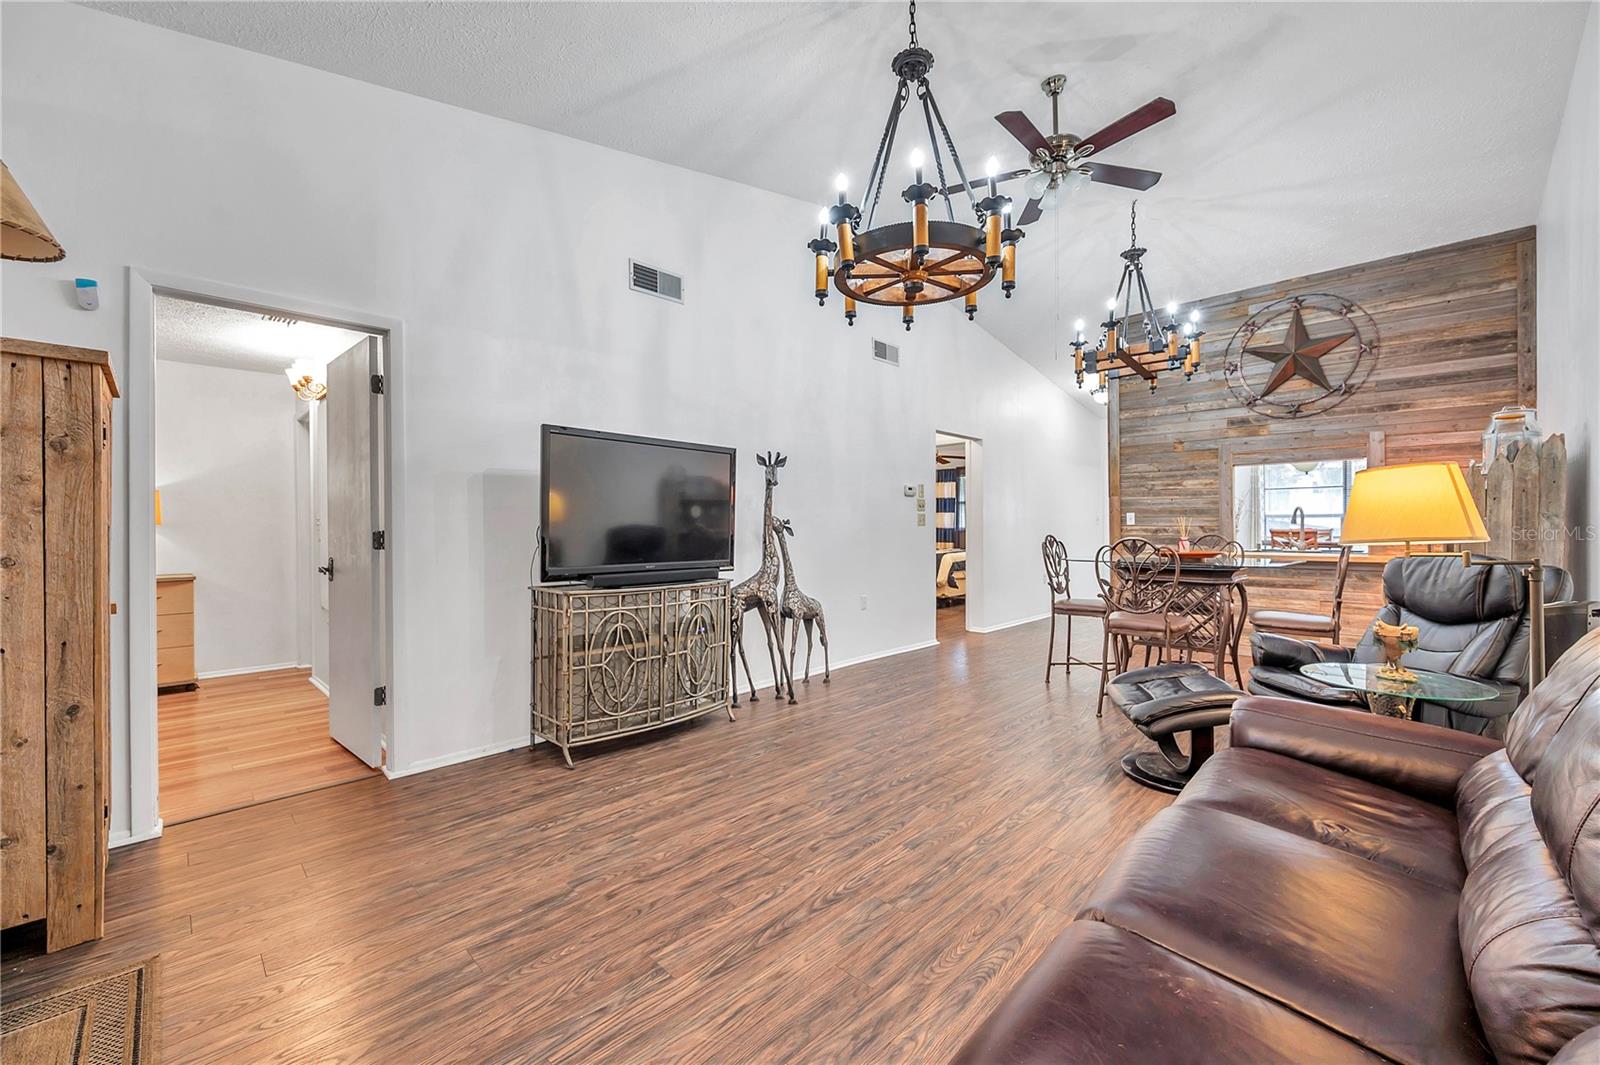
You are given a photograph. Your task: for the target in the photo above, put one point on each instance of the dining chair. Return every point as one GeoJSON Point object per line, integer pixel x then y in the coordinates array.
{"type": "Point", "coordinates": [1059, 578]}
{"type": "Point", "coordinates": [1139, 582]}
{"type": "Point", "coordinates": [1230, 552]}
{"type": "Point", "coordinates": [1307, 625]}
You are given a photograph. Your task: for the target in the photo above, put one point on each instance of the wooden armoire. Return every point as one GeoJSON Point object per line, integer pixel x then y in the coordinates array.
{"type": "Point", "coordinates": [55, 629]}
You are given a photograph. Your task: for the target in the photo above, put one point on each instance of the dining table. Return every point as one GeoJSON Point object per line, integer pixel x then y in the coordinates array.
{"type": "Point", "coordinates": [1207, 591]}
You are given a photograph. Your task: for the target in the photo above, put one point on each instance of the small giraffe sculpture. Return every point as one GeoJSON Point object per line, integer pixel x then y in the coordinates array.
{"type": "Point", "coordinates": [759, 593]}
{"type": "Point", "coordinates": [798, 608]}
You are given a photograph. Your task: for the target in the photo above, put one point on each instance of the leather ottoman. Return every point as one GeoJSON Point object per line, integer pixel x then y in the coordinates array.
{"type": "Point", "coordinates": [1164, 701]}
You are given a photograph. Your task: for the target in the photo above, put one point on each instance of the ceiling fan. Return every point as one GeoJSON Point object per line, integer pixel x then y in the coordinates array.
{"type": "Point", "coordinates": [1060, 162]}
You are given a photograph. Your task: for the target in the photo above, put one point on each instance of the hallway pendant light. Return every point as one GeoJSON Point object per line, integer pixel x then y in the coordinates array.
{"type": "Point", "coordinates": [308, 380]}
{"type": "Point", "coordinates": [23, 234]}
{"type": "Point", "coordinates": [925, 260]}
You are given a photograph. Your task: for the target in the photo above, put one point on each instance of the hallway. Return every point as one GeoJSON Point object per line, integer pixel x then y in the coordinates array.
{"type": "Point", "coordinates": [238, 741]}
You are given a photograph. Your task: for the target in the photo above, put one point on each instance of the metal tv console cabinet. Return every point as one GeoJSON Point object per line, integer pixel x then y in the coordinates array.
{"type": "Point", "coordinates": [610, 662]}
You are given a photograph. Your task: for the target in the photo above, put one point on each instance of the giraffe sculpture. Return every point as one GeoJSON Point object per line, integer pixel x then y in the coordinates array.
{"type": "Point", "coordinates": [798, 608]}
{"type": "Point", "coordinates": [759, 593]}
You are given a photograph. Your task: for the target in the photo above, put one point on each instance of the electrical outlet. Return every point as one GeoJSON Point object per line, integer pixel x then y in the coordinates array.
{"type": "Point", "coordinates": [863, 602]}
{"type": "Point", "coordinates": [1128, 519]}
{"type": "Point", "coordinates": [922, 504]}
{"type": "Point", "coordinates": [922, 519]}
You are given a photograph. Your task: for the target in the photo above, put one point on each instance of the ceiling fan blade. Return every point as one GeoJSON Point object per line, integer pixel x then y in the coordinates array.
{"type": "Point", "coordinates": [1131, 123]}
{"type": "Point", "coordinates": [1030, 213]}
{"type": "Point", "coordinates": [1021, 127]}
{"type": "Point", "coordinates": [1129, 177]}
{"type": "Point", "coordinates": [983, 182]}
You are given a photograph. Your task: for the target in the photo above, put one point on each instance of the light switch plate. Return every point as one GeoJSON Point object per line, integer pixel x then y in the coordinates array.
{"type": "Point", "coordinates": [922, 519]}
{"type": "Point", "coordinates": [1128, 519]}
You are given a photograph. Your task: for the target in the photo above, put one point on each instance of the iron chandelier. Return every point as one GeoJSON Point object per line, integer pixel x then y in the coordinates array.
{"type": "Point", "coordinates": [1166, 346]}
{"type": "Point", "coordinates": [907, 264]}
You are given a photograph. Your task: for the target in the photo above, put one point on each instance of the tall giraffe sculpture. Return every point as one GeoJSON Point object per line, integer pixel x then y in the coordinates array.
{"type": "Point", "coordinates": [798, 608]}
{"type": "Point", "coordinates": [759, 593]}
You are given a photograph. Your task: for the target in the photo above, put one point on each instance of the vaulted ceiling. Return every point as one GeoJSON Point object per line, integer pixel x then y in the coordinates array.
{"type": "Point", "coordinates": [1308, 135]}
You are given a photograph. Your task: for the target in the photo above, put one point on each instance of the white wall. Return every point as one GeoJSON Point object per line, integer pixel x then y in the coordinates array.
{"type": "Point", "coordinates": [225, 464]}
{"type": "Point", "coordinates": [504, 250]}
{"type": "Point", "coordinates": [1569, 294]}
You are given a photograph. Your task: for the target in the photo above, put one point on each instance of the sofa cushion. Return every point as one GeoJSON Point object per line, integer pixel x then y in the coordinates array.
{"type": "Point", "coordinates": [1487, 805]}
{"type": "Point", "coordinates": [1532, 962]}
{"type": "Point", "coordinates": [1101, 994]}
{"type": "Point", "coordinates": [1368, 951]}
{"type": "Point", "coordinates": [1375, 823]}
{"type": "Point", "coordinates": [1548, 706]}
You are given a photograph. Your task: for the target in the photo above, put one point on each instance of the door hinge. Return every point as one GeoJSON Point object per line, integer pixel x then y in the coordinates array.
{"type": "Point", "coordinates": [377, 384]}
{"type": "Point", "coordinates": [377, 540]}
{"type": "Point", "coordinates": [380, 695]}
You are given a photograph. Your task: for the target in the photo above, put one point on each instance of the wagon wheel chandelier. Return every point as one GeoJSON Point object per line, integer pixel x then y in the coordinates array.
{"type": "Point", "coordinates": [1166, 346]}
{"type": "Point", "coordinates": [907, 264]}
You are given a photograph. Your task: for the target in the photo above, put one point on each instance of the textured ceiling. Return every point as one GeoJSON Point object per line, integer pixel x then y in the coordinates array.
{"type": "Point", "coordinates": [243, 340]}
{"type": "Point", "coordinates": [1308, 136]}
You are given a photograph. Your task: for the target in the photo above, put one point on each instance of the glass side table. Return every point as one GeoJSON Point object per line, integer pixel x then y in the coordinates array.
{"type": "Point", "coordinates": [1398, 698]}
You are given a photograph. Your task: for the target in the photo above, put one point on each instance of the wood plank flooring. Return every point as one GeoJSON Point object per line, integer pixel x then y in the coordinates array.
{"type": "Point", "coordinates": [241, 740]}
{"type": "Point", "coordinates": [857, 878]}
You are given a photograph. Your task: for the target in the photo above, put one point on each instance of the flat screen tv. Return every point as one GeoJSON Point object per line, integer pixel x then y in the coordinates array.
{"type": "Point", "coordinates": [628, 509]}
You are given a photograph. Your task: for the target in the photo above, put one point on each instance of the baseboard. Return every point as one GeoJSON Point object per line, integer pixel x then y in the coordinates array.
{"type": "Point", "coordinates": [316, 682]}
{"type": "Point", "coordinates": [248, 669]}
{"type": "Point", "coordinates": [1008, 624]}
{"type": "Point", "coordinates": [471, 754]}
{"type": "Point", "coordinates": [766, 682]}
{"type": "Point", "coordinates": [125, 839]}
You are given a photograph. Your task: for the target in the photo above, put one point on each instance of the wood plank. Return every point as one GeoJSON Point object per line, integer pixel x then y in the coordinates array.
{"type": "Point", "coordinates": [72, 444]}
{"type": "Point", "coordinates": [40, 349]}
{"type": "Point", "coordinates": [1455, 343]}
{"type": "Point", "coordinates": [105, 389]}
{"type": "Point", "coordinates": [22, 760]}
{"type": "Point", "coordinates": [691, 896]}
{"type": "Point", "coordinates": [1527, 323]}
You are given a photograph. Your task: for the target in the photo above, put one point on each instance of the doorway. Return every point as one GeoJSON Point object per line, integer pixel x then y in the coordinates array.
{"type": "Point", "coordinates": [267, 486]}
{"type": "Point", "coordinates": [951, 458]}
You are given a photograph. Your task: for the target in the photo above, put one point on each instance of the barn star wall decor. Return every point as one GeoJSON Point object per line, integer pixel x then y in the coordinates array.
{"type": "Point", "coordinates": [1301, 355]}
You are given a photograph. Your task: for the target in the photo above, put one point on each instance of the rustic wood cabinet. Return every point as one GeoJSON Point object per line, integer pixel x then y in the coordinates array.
{"type": "Point", "coordinates": [175, 632]}
{"type": "Point", "coordinates": [55, 637]}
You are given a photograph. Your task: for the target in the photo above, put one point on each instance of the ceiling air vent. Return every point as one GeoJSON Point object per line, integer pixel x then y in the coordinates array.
{"type": "Point", "coordinates": [653, 282]}
{"type": "Point", "coordinates": [886, 353]}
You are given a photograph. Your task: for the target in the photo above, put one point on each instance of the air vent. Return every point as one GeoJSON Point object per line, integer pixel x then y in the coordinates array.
{"type": "Point", "coordinates": [653, 282]}
{"type": "Point", "coordinates": [886, 353]}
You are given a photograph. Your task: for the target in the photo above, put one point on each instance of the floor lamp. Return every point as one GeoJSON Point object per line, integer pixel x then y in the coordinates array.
{"type": "Point", "coordinates": [1428, 503]}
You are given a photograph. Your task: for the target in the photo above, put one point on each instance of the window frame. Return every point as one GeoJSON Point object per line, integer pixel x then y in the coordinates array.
{"type": "Point", "coordinates": [1285, 448]}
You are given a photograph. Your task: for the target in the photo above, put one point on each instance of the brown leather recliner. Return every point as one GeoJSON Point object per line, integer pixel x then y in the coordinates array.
{"type": "Point", "coordinates": [1340, 887]}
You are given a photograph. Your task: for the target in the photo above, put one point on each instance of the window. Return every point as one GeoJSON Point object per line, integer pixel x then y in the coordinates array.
{"type": "Point", "coordinates": [1266, 497]}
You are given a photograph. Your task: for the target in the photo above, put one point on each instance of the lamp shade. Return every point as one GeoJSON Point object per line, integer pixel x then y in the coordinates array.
{"type": "Point", "coordinates": [1419, 503]}
{"type": "Point", "coordinates": [23, 234]}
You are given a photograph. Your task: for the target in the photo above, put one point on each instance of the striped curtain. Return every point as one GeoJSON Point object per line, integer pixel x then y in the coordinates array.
{"type": "Point", "coordinates": [949, 493]}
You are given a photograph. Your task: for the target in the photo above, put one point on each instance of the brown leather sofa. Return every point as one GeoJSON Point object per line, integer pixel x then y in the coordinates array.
{"type": "Point", "coordinates": [1340, 887]}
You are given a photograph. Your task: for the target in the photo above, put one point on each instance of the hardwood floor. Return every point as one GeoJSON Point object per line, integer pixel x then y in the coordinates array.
{"type": "Point", "coordinates": [857, 878]}
{"type": "Point", "coordinates": [241, 740]}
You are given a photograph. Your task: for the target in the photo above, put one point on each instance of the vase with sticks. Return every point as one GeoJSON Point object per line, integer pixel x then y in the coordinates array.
{"type": "Point", "coordinates": [1183, 532]}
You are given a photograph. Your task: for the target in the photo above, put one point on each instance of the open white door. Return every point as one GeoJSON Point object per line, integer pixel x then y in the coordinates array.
{"type": "Point", "coordinates": [353, 592]}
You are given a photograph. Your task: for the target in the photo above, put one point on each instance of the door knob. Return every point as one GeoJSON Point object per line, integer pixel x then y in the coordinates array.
{"type": "Point", "coordinates": [328, 569]}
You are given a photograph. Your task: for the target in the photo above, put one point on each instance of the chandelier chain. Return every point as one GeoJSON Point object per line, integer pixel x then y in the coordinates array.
{"type": "Point", "coordinates": [933, 142]}
{"type": "Point", "coordinates": [913, 23]}
{"type": "Point", "coordinates": [1133, 225]}
{"type": "Point", "coordinates": [955, 159]}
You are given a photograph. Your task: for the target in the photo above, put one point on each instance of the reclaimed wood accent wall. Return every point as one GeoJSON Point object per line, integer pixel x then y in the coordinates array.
{"type": "Point", "coordinates": [1455, 343]}
{"type": "Point", "coordinates": [55, 670]}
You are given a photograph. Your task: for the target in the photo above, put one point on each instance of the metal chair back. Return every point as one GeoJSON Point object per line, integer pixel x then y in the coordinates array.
{"type": "Point", "coordinates": [1137, 576]}
{"type": "Point", "coordinates": [1055, 567]}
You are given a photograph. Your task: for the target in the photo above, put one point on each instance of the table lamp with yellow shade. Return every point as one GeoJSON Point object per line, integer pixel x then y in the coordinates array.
{"type": "Point", "coordinates": [1428, 503]}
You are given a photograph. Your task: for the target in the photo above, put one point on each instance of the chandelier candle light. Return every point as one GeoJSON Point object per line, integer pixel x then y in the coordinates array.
{"type": "Point", "coordinates": [925, 260]}
{"type": "Point", "coordinates": [1166, 346]}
